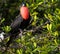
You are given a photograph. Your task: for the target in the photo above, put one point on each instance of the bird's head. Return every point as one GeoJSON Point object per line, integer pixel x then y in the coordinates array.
{"type": "Point", "coordinates": [24, 11]}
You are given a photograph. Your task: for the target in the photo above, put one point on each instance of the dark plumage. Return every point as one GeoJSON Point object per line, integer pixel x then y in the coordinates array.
{"type": "Point", "coordinates": [16, 25]}
{"type": "Point", "coordinates": [19, 23]}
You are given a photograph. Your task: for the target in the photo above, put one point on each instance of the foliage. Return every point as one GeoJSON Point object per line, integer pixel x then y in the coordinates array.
{"type": "Point", "coordinates": [47, 38]}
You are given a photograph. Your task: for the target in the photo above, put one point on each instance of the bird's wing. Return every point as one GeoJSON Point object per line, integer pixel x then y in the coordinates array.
{"type": "Point", "coordinates": [16, 22]}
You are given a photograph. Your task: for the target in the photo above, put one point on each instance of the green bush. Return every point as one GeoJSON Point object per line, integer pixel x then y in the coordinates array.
{"type": "Point", "coordinates": [47, 38]}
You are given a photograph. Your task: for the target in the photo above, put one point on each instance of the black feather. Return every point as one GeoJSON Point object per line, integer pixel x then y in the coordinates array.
{"type": "Point", "coordinates": [18, 23]}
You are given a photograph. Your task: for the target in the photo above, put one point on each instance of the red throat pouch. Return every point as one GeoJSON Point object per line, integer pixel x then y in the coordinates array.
{"type": "Point", "coordinates": [24, 11]}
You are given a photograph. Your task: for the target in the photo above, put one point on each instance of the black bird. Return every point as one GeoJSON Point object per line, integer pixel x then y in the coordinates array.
{"type": "Point", "coordinates": [20, 23]}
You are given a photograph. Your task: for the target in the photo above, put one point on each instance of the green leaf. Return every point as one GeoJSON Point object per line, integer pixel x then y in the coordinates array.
{"type": "Point", "coordinates": [48, 27]}
{"type": "Point", "coordinates": [18, 52]}
{"type": "Point", "coordinates": [6, 28]}
{"type": "Point", "coordinates": [35, 44]}
{"type": "Point", "coordinates": [55, 41]}
{"type": "Point", "coordinates": [56, 33]}
{"type": "Point", "coordinates": [2, 20]}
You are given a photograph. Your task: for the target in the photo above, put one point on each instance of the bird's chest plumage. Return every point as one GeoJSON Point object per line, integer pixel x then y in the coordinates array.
{"type": "Point", "coordinates": [19, 23]}
{"type": "Point", "coordinates": [24, 23]}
